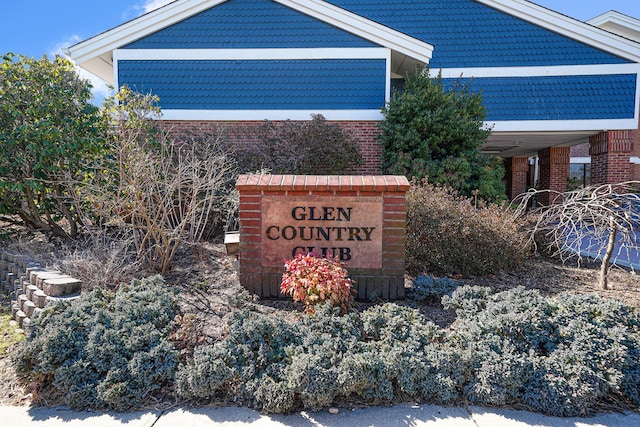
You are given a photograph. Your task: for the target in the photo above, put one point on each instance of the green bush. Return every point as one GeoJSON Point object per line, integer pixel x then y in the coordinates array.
{"type": "Point", "coordinates": [435, 130]}
{"type": "Point", "coordinates": [313, 147]}
{"type": "Point", "coordinates": [279, 365]}
{"type": "Point", "coordinates": [50, 144]}
{"type": "Point", "coordinates": [105, 350]}
{"type": "Point", "coordinates": [448, 235]}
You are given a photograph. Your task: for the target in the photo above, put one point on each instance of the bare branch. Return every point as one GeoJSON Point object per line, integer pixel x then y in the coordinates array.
{"type": "Point", "coordinates": [587, 222]}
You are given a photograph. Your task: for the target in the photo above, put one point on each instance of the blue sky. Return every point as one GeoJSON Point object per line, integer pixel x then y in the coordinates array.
{"type": "Point", "coordinates": [39, 27]}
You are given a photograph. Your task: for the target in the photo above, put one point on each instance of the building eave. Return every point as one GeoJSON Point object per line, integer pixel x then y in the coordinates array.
{"type": "Point", "coordinates": [616, 17]}
{"type": "Point", "coordinates": [95, 53]}
{"type": "Point", "coordinates": [618, 23]}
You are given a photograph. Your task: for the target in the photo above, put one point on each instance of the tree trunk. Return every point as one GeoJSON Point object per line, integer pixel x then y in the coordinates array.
{"type": "Point", "coordinates": [605, 267]}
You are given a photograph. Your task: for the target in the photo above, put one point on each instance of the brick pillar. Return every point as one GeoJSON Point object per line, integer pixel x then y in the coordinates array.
{"type": "Point", "coordinates": [610, 153]}
{"type": "Point", "coordinates": [635, 152]}
{"type": "Point", "coordinates": [516, 169]}
{"type": "Point", "coordinates": [553, 173]}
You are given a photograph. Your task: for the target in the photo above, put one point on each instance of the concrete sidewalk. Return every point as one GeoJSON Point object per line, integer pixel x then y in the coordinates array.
{"type": "Point", "coordinates": [395, 416]}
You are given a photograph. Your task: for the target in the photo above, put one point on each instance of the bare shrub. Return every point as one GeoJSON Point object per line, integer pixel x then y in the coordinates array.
{"type": "Point", "coordinates": [104, 261]}
{"type": "Point", "coordinates": [313, 147]}
{"type": "Point", "coordinates": [448, 235]}
{"type": "Point", "coordinates": [167, 189]}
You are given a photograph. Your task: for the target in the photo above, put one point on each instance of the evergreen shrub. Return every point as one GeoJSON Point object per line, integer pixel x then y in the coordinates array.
{"type": "Point", "coordinates": [105, 350]}
{"type": "Point", "coordinates": [434, 128]}
{"type": "Point", "coordinates": [428, 288]}
{"type": "Point", "coordinates": [559, 356]}
{"type": "Point", "coordinates": [449, 235]}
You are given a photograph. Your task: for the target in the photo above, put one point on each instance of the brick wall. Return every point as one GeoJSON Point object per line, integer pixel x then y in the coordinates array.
{"type": "Point", "coordinates": [364, 132]}
{"type": "Point", "coordinates": [258, 277]}
{"type": "Point", "coordinates": [580, 150]}
{"type": "Point", "coordinates": [634, 171]}
{"type": "Point", "coordinates": [553, 173]}
{"type": "Point", "coordinates": [610, 152]}
{"type": "Point", "coordinates": [516, 172]}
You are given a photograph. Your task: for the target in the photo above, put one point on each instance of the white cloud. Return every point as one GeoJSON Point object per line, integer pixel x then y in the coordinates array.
{"type": "Point", "coordinates": [151, 5]}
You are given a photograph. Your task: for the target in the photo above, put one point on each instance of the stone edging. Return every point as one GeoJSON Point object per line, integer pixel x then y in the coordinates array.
{"type": "Point", "coordinates": [31, 286]}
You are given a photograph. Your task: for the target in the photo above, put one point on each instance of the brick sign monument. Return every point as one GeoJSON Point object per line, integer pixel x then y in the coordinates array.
{"type": "Point", "coordinates": [359, 220]}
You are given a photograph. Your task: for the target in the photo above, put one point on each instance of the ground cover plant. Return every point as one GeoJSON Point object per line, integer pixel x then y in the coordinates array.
{"type": "Point", "coordinates": [106, 350]}
{"type": "Point", "coordinates": [559, 356]}
{"type": "Point", "coordinates": [426, 288]}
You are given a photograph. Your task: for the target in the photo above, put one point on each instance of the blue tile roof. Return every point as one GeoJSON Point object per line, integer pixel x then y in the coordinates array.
{"type": "Point", "coordinates": [466, 33]}
{"type": "Point", "coordinates": [258, 84]}
{"type": "Point", "coordinates": [256, 24]}
{"type": "Point", "coordinates": [556, 98]}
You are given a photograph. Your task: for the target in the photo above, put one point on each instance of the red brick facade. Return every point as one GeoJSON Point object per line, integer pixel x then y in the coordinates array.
{"type": "Point", "coordinates": [610, 152]}
{"type": "Point", "coordinates": [386, 282]}
{"type": "Point", "coordinates": [553, 173]}
{"type": "Point", "coordinates": [364, 132]}
{"type": "Point", "coordinates": [580, 150]}
{"type": "Point", "coordinates": [634, 173]}
{"type": "Point", "coordinates": [516, 172]}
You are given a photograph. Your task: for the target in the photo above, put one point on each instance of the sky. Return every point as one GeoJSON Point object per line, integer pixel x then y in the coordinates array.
{"type": "Point", "coordinates": [44, 27]}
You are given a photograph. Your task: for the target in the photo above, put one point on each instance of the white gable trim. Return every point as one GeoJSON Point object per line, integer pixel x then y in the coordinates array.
{"type": "Point", "coordinates": [253, 115]}
{"type": "Point", "coordinates": [139, 27]}
{"type": "Point", "coordinates": [618, 23]}
{"type": "Point", "coordinates": [568, 27]}
{"type": "Point", "coordinates": [615, 17]}
{"type": "Point", "coordinates": [363, 27]}
{"type": "Point", "coordinates": [96, 51]}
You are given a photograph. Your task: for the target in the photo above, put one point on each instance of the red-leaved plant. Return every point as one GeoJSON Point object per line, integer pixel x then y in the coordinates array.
{"type": "Point", "coordinates": [313, 280]}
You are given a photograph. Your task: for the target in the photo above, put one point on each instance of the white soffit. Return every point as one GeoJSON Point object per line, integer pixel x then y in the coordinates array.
{"type": "Point", "coordinates": [618, 23]}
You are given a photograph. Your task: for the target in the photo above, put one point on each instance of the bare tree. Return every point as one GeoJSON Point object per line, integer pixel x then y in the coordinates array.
{"type": "Point", "coordinates": [586, 222]}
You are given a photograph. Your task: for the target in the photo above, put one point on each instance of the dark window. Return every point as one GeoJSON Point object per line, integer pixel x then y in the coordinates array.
{"type": "Point", "coordinates": [579, 175]}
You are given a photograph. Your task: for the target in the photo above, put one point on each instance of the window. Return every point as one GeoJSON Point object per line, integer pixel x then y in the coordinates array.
{"type": "Point", "coordinates": [579, 175]}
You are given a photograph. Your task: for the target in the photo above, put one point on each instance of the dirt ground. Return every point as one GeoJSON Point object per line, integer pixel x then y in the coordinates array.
{"type": "Point", "coordinates": [210, 289]}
